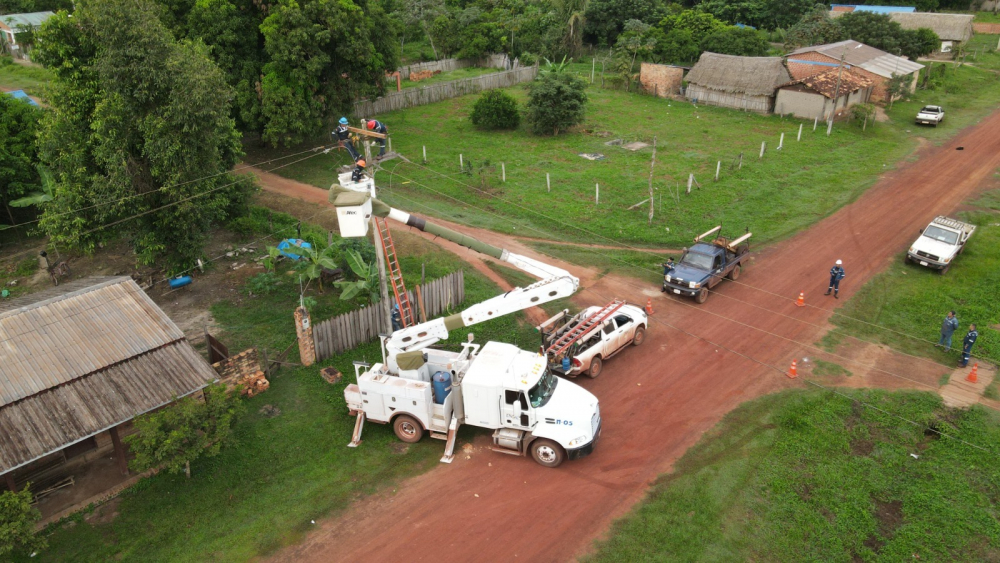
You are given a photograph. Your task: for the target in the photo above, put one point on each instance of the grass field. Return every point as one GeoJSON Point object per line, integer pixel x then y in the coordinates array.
{"type": "Point", "coordinates": [813, 476]}
{"type": "Point", "coordinates": [782, 193]}
{"type": "Point", "coordinates": [910, 300]}
{"type": "Point", "coordinates": [467, 72]}
{"type": "Point", "coordinates": [284, 471]}
{"type": "Point", "coordinates": [31, 79]}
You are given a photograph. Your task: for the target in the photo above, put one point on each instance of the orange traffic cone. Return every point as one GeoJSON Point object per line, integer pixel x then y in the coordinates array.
{"type": "Point", "coordinates": [793, 371]}
{"type": "Point", "coordinates": [974, 374]}
{"type": "Point", "coordinates": [649, 306]}
{"type": "Point", "coordinates": [801, 301]}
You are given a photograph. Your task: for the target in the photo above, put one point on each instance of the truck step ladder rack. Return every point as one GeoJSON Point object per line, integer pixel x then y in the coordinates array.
{"type": "Point", "coordinates": [395, 275]}
{"type": "Point", "coordinates": [585, 326]}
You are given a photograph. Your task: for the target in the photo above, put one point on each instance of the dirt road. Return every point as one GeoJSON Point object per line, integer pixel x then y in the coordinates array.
{"type": "Point", "coordinates": [659, 399]}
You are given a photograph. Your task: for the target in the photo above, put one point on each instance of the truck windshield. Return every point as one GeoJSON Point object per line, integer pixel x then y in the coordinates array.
{"type": "Point", "coordinates": [700, 261]}
{"type": "Point", "coordinates": [937, 233]}
{"type": "Point", "coordinates": [543, 390]}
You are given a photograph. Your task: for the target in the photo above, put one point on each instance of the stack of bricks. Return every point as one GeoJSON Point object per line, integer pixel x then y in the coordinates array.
{"type": "Point", "coordinates": [243, 369]}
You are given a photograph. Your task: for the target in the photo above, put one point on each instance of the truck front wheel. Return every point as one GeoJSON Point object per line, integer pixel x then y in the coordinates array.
{"type": "Point", "coordinates": [639, 337]}
{"type": "Point", "coordinates": [407, 429]}
{"type": "Point", "coordinates": [547, 452]}
{"type": "Point", "coordinates": [701, 296]}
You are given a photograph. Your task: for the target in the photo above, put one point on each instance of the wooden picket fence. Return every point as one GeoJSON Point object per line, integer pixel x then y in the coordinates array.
{"type": "Point", "coordinates": [412, 97]}
{"type": "Point", "coordinates": [448, 65]}
{"type": "Point", "coordinates": [349, 330]}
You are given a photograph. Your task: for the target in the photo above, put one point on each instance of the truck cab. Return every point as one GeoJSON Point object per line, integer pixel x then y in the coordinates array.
{"type": "Point", "coordinates": [704, 265]}
{"type": "Point", "coordinates": [939, 243]}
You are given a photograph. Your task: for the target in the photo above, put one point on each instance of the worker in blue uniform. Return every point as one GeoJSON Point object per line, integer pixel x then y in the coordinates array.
{"type": "Point", "coordinates": [836, 274]}
{"type": "Point", "coordinates": [378, 127]}
{"type": "Point", "coordinates": [359, 170]}
{"type": "Point", "coordinates": [967, 342]}
{"type": "Point", "coordinates": [343, 134]}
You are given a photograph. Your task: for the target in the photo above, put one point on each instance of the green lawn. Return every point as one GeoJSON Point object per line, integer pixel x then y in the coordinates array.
{"type": "Point", "coordinates": [981, 51]}
{"type": "Point", "coordinates": [910, 300]}
{"type": "Point", "coordinates": [814, 476]}
{"type": "Point", "coordinates": [31, 79]}
{"type": "Point", "coordinates": [987, 17]}
{"type": "Point", "coordinates": [285, 471]}
{"type": "Point", "coordinates": [777, 196]}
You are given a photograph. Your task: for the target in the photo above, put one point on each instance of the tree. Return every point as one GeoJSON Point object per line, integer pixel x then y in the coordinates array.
{"type": "Point", "coordinates": [634, 41]}
{"type": "Point", "coordinates": [175, 436]}
{"type": "Point", "coordinates": [18, 151]}
{"type": "Point", "coordinates": [879, 31]}
{"type": "Point", "coordinates": [698, 24]}
{"type": "Point", "coordinates": [556, 100]}
{"type": "Point", "coordinates": [898, 86]}
{"type": "Point", "coordinates": [139, 137]}
{"type": "Point", "coordinates": [747, 12]}
{"type": "Point", "coordinates": [815, 28]}
{"type": "Point", "coordinates": [605, 19]}
{"type": "Point", "coordinates": [17, 523]}
{"type": "Point", "coordinates": [323, 55]}
{"type": "Point", "coordinates": [422, 13]}
{"type": "Point", "coordinates": [739, 41]}
{"type": "Point", "coordinates": [495, 109]}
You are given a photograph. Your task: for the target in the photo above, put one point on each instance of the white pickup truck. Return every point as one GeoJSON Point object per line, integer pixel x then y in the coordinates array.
{"type": "Point", "coordinates": [582, 344]}
{"type": "Point", "coordinates": [940, 242]}
{"type": "Point", "coordinates": [930, 115]}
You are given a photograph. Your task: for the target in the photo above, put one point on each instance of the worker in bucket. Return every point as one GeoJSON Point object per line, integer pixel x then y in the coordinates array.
{"type": "Point", "coordinates": [343, 134]}
{"type": "Point", "coordinates": [359, 170]}
{"type": "Point", "coordinates": [379, 127]}
{"type": "Point", "coordinates": [836, 274]}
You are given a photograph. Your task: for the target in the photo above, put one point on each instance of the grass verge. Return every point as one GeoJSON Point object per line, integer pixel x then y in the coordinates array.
{"type": "Point", "coordinates": [812, 476]}
{"type": "Point", "coordinates": [32, 79]}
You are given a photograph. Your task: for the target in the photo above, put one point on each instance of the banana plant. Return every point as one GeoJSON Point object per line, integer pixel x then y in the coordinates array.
{"type": "Point", "coordinates": [367, 281]}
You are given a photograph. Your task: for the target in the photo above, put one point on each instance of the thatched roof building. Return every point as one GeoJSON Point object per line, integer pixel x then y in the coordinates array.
{"type": "Point", "coordinates": [746, 83]}
{"type": "Point", "coordinates": [949, 27]}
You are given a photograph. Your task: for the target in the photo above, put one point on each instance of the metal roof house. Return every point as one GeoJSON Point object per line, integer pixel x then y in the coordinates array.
{"type": "Point", "coordinates": [951, 28]}
{"type": "Point", "coordinates": [823, 95]}
{"type": "Point", "coordinates": [77, 362]}
{"type": "Point", "coordinates": [872, 63]}
{"type": "Point", "coordinates": [746, 83]}
{"type": "Point", "coordinates": [12, 24]}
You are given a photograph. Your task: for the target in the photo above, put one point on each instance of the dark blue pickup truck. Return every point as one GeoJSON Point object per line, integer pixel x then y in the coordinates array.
{"type": "Point", "coordinates": [703, 266]}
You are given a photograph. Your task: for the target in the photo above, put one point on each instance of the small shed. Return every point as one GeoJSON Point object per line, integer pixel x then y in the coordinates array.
{"type": "Point", "coordinates": [823, 95]}
{"type": "Point", "coordinates": [953, 29]}
{"type": "Point", "coordinates": [12, 24]}
{"type": "Point", "coordinates": [78, 362]}
{"type": "Point", "coordinates": [747, 83]}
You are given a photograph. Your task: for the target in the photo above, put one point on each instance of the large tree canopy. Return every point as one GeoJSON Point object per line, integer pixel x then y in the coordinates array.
{"type": "Point", "coordinates": [139, 137]}
{"type": "Point", "coordinates": [18, 151]}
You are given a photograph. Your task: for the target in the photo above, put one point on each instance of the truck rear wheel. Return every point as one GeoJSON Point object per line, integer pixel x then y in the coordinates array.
{"type": "Point", "coordinates": [734, 274]}
{"type": "Point", "coordinates": [701, 296]}
{"type": "Point", "coordinates": [547, 452]}
{"type": "Point", "coordinates": [596, 367]}
{"type": "Point", "coordinates": [407, 429]}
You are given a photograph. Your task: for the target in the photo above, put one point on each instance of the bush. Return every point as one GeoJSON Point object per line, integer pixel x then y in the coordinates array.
{"type": "Point", "coordinates": [264, 283]}
{"type": "Point", "coordinates": [527, 59]}
{"type": "Point", "coordinates": [556, 100]}
{"type": "Point", "coordinates": [496, 109]}
{"type": "Point", "coordinates": [17, 523]}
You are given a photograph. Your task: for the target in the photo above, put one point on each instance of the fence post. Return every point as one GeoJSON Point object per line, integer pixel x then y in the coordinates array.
{"type": "Point", "coordinates": [597, 195]}
{"type": "Point", "coordinates": [304, 332]}
{"type": "Point", "coordinates": [593, 66]}
{"type": "Point", "coordinates": [390, 143]}
{"type": "Point", "coordinates": [781, 141]}
{"type": "Point", "coordinates": [548, 183]}
{"type": "Point", "coordinates": [799, 138]}
{"type": "Point", "coordinates": [461, 163]}
{"type": "Point", "coordinates": [690, 181]}
{"type": "Point", "coordinates": [425, 154]}
{"type": "Point", "coordinates": [815, 122]}
{"type": "Point", "coordinates": [741, 162]}
{"type": "Point", "coordinates": [829, 127]}
{"type": "Point", "coordinates": [718, 166]}
{"type": "Point", "coordinates": [762, 144]}
{"type": "Point", "coordinates": [503, 172]}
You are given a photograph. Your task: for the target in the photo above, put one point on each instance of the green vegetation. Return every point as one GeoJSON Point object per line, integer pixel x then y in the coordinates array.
{"type": "Point", "coordinates": [987, 17]}
{"type": "Point", "coordinates": [457, 74]}
{"type": "Point", "coordinates": [495, 109]}
{"type": "Point", "coordinates": [17, 523]}
{"type": "Point", "coordinates": [944, 379]}
{"type": "Point", "coordinates": [290, 463]}
{"type": "Point", "coordinates": [911, 300]}
{"type": "Point", "coordinates": [981, 51]}
{"type": "Point", "coordinates": [31, 79]}
{"type": "Point", "coordinates": [816, 476]}
{"type": "Point", "coordinates": [19, 177]}
{"type": "Point", "coordinates": [633, 263]}
{"type": "Point", "coordinates": [824, 368]}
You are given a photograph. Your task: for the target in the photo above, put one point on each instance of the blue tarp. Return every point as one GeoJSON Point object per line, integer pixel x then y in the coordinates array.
{"type": "Point", "coordinates": [288, 246]}
{"type": "Point", "coordinates": [21, 95]}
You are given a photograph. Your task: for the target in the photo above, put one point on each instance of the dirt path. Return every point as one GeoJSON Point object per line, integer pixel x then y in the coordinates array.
{"type": "Point", "coordinates": [658, 400]}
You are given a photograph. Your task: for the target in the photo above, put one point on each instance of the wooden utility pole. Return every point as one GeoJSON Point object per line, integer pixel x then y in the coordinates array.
{"type": "Point", "coordinates": [836, 91]}
{"type": "Point", "coordinates": [383, 285]}
{"type": "Point", "coordinates": [652, 165]}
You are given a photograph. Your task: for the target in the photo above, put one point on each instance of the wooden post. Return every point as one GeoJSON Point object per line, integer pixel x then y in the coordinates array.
{"type": "Point", "coordinates": [425, 153]}
{"type": "Point", "coordinates": [799, 138]}
{"type": "Point", "coordinates": [503, 172]}
{"type": "Point", "coordinates": [461, 163]}
{"type": "Point", "coordinates": [741, 162]}
{"type": "Point", "coordinates": [593, 66]}
{"type": "Point", "coordinates": [267, 363]}
{"type": "Point", "coordinates": [11, 485]}
{"type": "Point", "coordinates": [829, 127]}
{"type": "Point", "coordinates": [815, 122]}
{"type": "Point", "coordinates": [420, 302]}
{"type": "Point", "coordinates": [781, 141]}
{"type": "Point", "coordinates": [382, 282]}
{"type": "Point", "coordinates": [690, 181]}
{"type": "Point", "coordinates": [718, 166]}
{"type": "Point", "coordinates": [652, 165]}
{"type": "Point", "coordinates": [548, 183]}
{"type": "Point", "coordinates": [762, 144]}
{"type": "Point", "coordinates": [597, 194]}
{"type": "Point", "coordinates": [390, 143]}
{"type": "Point", "coordinates": [120, 454]}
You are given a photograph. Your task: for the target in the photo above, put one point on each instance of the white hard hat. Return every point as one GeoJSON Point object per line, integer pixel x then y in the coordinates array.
{"type": "Point", "coordinates": [839, 262]}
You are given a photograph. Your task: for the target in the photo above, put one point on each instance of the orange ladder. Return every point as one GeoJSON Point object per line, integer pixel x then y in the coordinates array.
{"type": "Point", "coordinates": [395, 275]}
{"type": "Point", "coordinates": [583, 327]}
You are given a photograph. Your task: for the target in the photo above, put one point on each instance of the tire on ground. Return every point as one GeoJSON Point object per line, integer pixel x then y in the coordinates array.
{"type": "Point", "coordinates": [547, 452]}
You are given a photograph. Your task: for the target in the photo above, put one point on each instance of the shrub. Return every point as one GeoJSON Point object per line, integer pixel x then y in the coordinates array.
{"type": "Point", "coordinates": [496, 109]}
{"type": "Point", "coordinates": [556, 100]}
{"type": "Point", "coordinates": [17, 523]}
{"type": "Point", "coordinates": [264, 283]}
{"type": "Point", "coordinates": [527, 59]}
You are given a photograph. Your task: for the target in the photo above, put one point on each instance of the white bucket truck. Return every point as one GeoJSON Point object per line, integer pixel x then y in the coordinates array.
{"type": "Point", "coordinates": [497, 386]}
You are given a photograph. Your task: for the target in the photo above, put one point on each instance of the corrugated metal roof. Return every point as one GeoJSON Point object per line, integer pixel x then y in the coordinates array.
{"type": "Point", "coordinates": [876, 9]}
{"type": "Point", "coordinates": [834, 82]}
{"type": "Point", "coordinates": [70, 332]}
{"type": "Point", "coordinates": [858, 54]}
{"type": "Point", "coordinates": [887, 65]}
{"type": "Point", "coordinates": [33, 19]}
{"type": "Point", "coordinates": [53, 419]}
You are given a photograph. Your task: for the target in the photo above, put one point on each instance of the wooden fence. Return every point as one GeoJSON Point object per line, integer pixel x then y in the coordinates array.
{"type": "Point", "coordinates": [448, 65]}
{"type": "Point", "coordinates": [412, 97]}
{"type": "Point", "coordinates": [346, 331]}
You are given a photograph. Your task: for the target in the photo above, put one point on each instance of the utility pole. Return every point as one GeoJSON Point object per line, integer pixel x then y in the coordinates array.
{"type": "Point", "coordinates": [836, 92]}
{"type": "Point", "coordinates": [652, 164]}
{"type": "Point", "coordinates": [383, 285]}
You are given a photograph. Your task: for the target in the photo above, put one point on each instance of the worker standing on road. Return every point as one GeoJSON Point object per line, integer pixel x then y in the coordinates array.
{"type": "Point", "coordinates": [948, 328]}
{"type": "Point", "coordinates": [668, 267]}
{"type": "Point", "coordinates": [343, 134]}
{"type": "Point", "coordinates": [967, 342]}
{"type": "Point", "coordinates": [836, 274]}
{"type": "Point", "coordinates": [379, 127]}
{"type": "Point", "coordinates": [359, 170]}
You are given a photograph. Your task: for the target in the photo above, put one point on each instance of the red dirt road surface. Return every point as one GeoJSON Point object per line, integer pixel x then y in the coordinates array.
{"type": "Point", "coordinates": [657, 400]}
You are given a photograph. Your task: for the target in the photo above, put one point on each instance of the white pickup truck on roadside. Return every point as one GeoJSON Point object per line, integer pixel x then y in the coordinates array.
{"type": "Point", "coordinates": [940, 242]}
{"type": "Point", "coordinates": [930, 115]}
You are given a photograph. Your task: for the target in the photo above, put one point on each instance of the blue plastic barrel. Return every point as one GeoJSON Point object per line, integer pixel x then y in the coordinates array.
{"type": "Point", "coordinates": [441, 383]}
{"type": "Point", "coordinates": [565, 364]}
{"type": "Point", "coordinates": [180, 281]}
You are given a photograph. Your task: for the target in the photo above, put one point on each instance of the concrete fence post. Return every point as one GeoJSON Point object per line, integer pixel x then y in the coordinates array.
{"type": "Point", "coordinates": [461, 163]}
{"type": "Point", "coordinates": [718, 166]}
{"type": "Point", "coordinates": [799, 138]}
{"type": "Point", "coordinates": [815, 122]}
{"type": "Point", "coordinates": [781, 141]}
{"type": "Point", "coordinates": [548, 183]}
{"type": "Point", "coordinates": [762, 145]}
{"type": "Point", "coordinates": [425, 153]}
{"type": "Point", "coordinates": [597, 194]}
{"type": "Point", "coordinates": [304, 332]}
{"type": "Point", "coordinates": [503, 172]}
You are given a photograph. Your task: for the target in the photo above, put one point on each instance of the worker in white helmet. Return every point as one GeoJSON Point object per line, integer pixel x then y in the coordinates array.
{"type": "Point", "coordinates": [836, 274]}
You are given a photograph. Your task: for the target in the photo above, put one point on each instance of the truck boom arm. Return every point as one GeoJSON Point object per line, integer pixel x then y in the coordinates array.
{"type": "Point", "coordinates": [554, 284]}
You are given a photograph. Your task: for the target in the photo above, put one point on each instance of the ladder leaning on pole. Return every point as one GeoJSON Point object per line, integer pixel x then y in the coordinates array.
{"type": "Point", "coordinates": [395, 275]}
